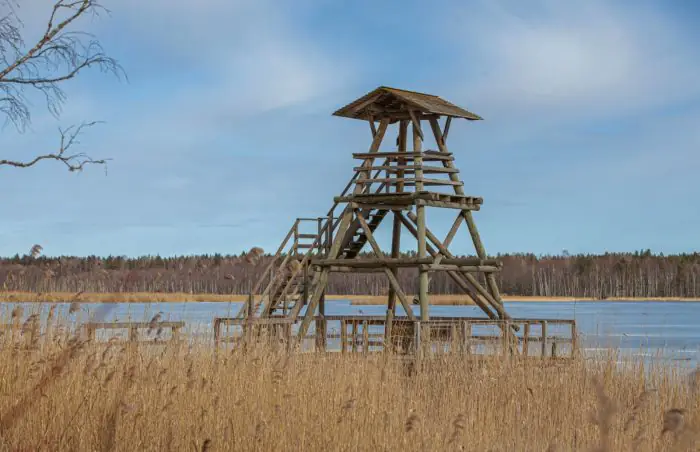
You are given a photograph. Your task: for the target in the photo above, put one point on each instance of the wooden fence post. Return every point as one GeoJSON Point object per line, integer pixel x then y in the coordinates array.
{"type": "Point", "coordinates": [417, 338]}
{"type": "Point", "coordinates": [544, 338]}
{"type": "Point", "coordinates": [365, 337]}
{"type": "Point", "coordinates": [343, 336]}
{"type": "Point", "coordinates": [526, 339]}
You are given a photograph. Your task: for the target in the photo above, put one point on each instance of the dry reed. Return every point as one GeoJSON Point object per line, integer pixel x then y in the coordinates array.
{"type": "Point", "coordinates": [71, 395]}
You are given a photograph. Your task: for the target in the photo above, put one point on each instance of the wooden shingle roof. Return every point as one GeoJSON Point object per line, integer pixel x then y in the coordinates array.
{"type": "Point", "coordinates": [396, 104]}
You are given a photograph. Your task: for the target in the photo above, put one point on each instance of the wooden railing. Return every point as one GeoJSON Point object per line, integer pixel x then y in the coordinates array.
{"type": "Point", "coordinates": [133, 327]}
{"type": "Point", "coordinates": [554, 338]}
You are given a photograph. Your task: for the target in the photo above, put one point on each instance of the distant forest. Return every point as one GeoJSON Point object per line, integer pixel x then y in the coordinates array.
{"type": "Point", "coordinates": [639, 274]}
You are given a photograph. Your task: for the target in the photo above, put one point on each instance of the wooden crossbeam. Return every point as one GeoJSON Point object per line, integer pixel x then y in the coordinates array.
{"type": "Point", "coordinates": [426, 156]}
{"type": "Point", "coordinates": [448, 121]}
{"type": "Point", "coordinates": [408, 181]}
{"type": "Point", "coordinates": [470, 278]}
{"type": "Point", "coordinates": [456, 276]}
{"type": "Point", "coordinates": [448, 240]}
{"type": "Point", "coordinates": [392, 279]}
{"type": "Point", "coordinates": [409, 169]}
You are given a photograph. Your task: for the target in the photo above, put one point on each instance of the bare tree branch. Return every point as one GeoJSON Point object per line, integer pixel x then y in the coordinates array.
{"type": "Point", "coordinates": [57, 56]}
{"type": "Point", "coordinates": [74, 162]}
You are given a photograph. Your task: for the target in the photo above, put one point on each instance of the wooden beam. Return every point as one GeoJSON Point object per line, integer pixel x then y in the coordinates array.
{"type": "Point", "coordinates": [392, 279]}
{"type": "Point", "coordinates": [448, 240]}
{"type": "Point", "coordinates": [410, 181]}
{"type": "Point", "coordinates": [409, 169]}
{"type": "Point", "coordinates": [422, 250]}
{"type": "Point", "coordinates": [448, 121]}
{"type": "Point", "coordinates": [372, 154]}
{"type": "Point", "coordinates": [426, 156]}
{"type": "Point", "coordinates": [372, 127]}
{"type": "Point", "coordinates": [396, 226]}
{"type": "Point", "coordinates": [447, 205]}
{"type": "Point", "coordinates": [416, 124]}
{"type": "Point", "coordinates": [348, 269]}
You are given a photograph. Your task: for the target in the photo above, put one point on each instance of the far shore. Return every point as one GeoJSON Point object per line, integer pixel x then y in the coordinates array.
{"type": "Point", "coordinates": [363, 300]}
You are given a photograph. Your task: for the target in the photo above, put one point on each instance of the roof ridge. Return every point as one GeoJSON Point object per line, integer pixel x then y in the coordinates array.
{"type": "Point", "coordinates": [408, 91]}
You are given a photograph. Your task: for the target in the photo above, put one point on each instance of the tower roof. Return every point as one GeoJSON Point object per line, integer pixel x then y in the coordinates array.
{"type": "Point", "coordinates": [396, 104]}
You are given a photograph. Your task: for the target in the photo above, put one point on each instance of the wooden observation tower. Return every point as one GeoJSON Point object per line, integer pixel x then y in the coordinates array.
{"type": "Point", "coordinates": [405, 182]}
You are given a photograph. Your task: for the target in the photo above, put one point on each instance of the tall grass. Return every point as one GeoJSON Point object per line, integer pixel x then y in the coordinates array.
{"type": "Point", "coordinates": [61, 393]}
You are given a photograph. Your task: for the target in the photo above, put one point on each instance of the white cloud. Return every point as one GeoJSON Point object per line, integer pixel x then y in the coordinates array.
{"type": "Point", "coordinates": [252, 56]}
{"type": "Point", "coordinates": [582, 58]}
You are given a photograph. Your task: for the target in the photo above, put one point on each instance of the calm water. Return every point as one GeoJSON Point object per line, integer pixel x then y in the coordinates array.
{"type": "Point", "coordinates": [659, 331]}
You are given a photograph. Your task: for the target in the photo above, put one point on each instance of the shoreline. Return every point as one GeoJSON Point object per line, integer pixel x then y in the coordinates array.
{"type": "Point", "coordinates": [362, 300]}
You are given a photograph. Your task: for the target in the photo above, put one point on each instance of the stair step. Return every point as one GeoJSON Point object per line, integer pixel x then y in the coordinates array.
{"type": "Point", "coordinates": [307, 236]}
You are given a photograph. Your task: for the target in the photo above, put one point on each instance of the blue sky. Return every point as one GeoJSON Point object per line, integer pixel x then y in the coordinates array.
{"type": "Point", "coordinates": [223, 133]}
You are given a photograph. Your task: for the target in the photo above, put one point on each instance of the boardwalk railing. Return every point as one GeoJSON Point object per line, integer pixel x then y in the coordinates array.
{"type": "Point", "coordinates": [133, 328]}
{"type": "Point", "coordinates": [535, 337]}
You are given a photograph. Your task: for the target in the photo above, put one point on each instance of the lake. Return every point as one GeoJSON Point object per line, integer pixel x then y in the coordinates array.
{"type": "Point", "coordinates": [657, 331]}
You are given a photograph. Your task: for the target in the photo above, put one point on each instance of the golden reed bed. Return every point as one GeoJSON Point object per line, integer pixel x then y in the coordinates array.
{"type": "Point", "coordinates": [59, 393]}
{"type": "Point", "coordinates": [160, 297]}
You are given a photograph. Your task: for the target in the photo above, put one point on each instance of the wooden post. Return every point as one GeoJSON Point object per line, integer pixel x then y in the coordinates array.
{"type": "Point", "coordinates": [420, 213]}
{"type": "Point", "coordinates": [353, 339]}
{"type": "Point", "coordinates": [467, 337]}
{"type": "Point", "coordinates": [396, 230]}
{"type": "Point", "coordinates": [133, 334]}
{"type": "Point", "coordinates": [454, 337]}
{"type": "Point", "coordinates": [417, 344]}
{"type": "Point", "coordinates": [526, 339]}
{"type": "Point", "coordinates": [295, 245]}
{"type": "Point", "coordinates": [176, 333]}
{"type": "Point", "coordinates": [343, 336]}
{"type": "Point", "coordinates": [322, 315]}
{"type": "Point", "coordinates": [305, 293]}
{"type": "Point", "coordinates": [574, 339]}
{"type": "Point", "coordinates": [251, 306]}
{"type": "Point", "coordinates": [544, 338]}
{"type": "Point", "coordinates": [329, 234]}
{"type": "Point", "coordinates": [505, 337]}
{"type": "Point", "coordinates": [217, 331]}
{"type": "Point", "coordinates": [388, 325]}
{"type": "Point", "coordinates": [365, 337]}
{"type": "Point", "coordinates": [554, 348]}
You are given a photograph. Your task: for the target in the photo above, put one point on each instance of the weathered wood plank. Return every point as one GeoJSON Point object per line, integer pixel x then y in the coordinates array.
{"type": "Point", "coordinates": [409, 169]}
{"type": "Point", "coordinates": [392, 155]}
{"type": "Point", "coordinates": [409, 181]}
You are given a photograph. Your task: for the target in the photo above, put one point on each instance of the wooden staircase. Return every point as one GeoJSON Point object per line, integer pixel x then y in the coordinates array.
{"type": "Point", "coordinates": [290, 284]}
{"type": "Point", "coordinates": [357, 239]}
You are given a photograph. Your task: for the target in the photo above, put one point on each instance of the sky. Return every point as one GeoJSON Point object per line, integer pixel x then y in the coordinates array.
{"type": "Point", "coordinates": [222, 134]}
